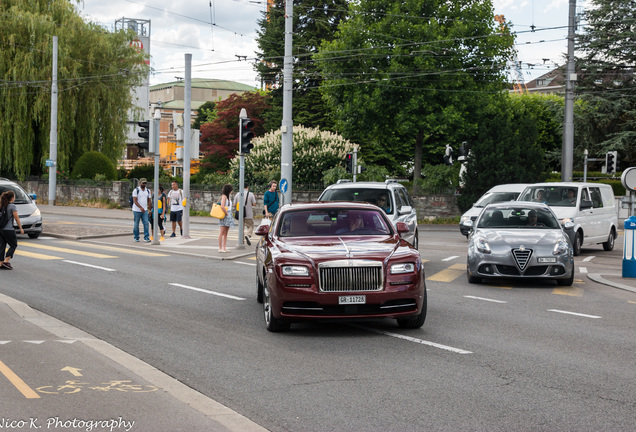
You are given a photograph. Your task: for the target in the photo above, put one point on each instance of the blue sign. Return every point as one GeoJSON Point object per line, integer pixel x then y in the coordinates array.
{"type": "Point", "coordinates": [284, 184]}
{"type": "Point", "coordinates": [50, 163]}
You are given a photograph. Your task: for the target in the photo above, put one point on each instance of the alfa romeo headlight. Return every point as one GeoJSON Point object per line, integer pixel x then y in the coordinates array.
{"type": "Point", "coordinates": [560, 247]}
{"type": "Point", "coordinates": [482, 245]}
{"type": "Point", "coordinates": [402, 268]}
{"type": "Point", "coordinates": [290, 270]}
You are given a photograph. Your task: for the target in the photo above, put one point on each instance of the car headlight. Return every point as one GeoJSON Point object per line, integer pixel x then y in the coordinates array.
{"type": "Point", "coordinates": [482, 245]}
{"type": "Point", "coordinates": [36, 213]}
{"type": "Point", "coordinates": [560, 247]}
{"type": "Point", "coordinates": [402, 268]}
{"type": "Point", "coordinates": [290, 270]}
{"type": "Point", "coordinates": [465, 218]}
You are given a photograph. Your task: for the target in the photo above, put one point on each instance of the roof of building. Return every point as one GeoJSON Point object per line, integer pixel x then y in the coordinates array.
{"type": "Point", "coordinates": [216, 84]}
{"type": "Point", "coordinates": [179, 105]}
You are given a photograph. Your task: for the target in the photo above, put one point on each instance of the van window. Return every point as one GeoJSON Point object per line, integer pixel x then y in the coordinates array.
{"type": "Point", "coordinates": [597, 198]}
{"type": "Point", "coordinates": [559, 196]}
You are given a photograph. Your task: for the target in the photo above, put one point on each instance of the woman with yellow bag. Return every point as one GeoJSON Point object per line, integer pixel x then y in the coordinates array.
{"type": "Point", "coordinates": [228, 221]}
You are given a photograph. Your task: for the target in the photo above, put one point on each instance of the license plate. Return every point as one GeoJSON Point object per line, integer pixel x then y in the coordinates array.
{"type": "Point", "coordinates": [546, 260]}
{"type": "Point", "coordinates": [356, 299]}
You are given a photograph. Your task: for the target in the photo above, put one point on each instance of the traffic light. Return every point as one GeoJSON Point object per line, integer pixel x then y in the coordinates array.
{"type": "Point", "coordinates": [349, 162]}
{"type": "Point", "coordinates": [144, 133]}
{"type": "Point", "coordinates": [611, 160]}
{"type": "Point", "coordinates": [245, 139]}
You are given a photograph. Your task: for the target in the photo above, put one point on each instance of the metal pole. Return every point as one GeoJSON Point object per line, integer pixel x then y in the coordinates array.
{"type": "Point", "coordinates": [585, 166]}
{"type": "Point", "coordinates": [568, 123]}
{"type": "Point", "coordinates": [355, 163]}
{"type": "Point", "coordinates": [154, 124]}
{"type": "Point", "coordinates": [287, 141]}
{"type": "Point", "coordinates": [187, 118]}
{"type": "Point", "coordinates": [241, 200]}
{"type": "Point", "coordinates": [53, 132]}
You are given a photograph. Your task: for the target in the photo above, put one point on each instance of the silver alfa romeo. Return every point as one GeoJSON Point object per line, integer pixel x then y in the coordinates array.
{"type": "Point", "coordinates": [520, 240]}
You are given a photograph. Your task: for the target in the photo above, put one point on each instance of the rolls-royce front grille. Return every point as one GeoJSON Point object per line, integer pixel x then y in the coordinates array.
{"type": "Point", "coordinates": [522, 256]}
{"type": "Point", "coordinates": [357, 277]}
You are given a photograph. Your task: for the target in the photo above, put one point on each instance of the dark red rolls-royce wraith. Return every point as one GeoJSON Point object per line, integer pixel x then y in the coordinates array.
{"type": "Point", "coordinates": [337, 261]}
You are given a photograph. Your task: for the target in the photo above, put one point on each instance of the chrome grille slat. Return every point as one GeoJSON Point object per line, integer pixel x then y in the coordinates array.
{"type": "Point", "coordinates": [350, 276]}
{"type": "Point", "coordinates": [522, 257]}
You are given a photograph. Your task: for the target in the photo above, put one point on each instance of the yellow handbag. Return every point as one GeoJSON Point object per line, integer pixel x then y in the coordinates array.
{"type": "Point", "coordinates": [217, 211]}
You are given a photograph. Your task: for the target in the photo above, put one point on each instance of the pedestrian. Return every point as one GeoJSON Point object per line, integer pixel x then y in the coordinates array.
{"type": "Point", "coordinates": [228, 221]}
{"type": "Point", "coordinates": [8, 213]}
{"type": "Point", "coordinates": [270, 200]}
{"type": "Point", "coordinates": [142, 204]}
{"type": "Point", "coordinates": [249, 201]}
{"type": "Point", "coordinates": [161, 205]}
{"type": "Point", "coordinates": [176, 208]}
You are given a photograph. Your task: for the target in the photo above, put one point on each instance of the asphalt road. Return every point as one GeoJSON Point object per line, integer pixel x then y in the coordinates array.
{"type": "Point", "coordinates": [496, 357]}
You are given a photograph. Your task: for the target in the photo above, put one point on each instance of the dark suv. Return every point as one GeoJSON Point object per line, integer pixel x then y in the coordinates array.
{"type": "Point", "coordinates": [28, 212]}
{"type": "Point", "coordinates": [391, 196]}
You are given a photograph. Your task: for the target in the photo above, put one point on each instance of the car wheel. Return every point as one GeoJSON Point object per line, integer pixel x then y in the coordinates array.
{"type": "Point", "coordinates": [36, 235]}
{"type": "Point", "coordinates": [273, 324]}
{"type": "Point", "coordinates": [609, 244]}
{"type": "Point", "coordinates": [259, 289]}
{"type": "Point", "coordinates": [414, 322]}
{"type": "Point", "coordinates": [567, 282]}
{"type": "Point", "coordinates": [578, 240]}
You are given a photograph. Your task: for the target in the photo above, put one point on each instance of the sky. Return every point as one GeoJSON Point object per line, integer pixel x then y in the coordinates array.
{"type": "Point", "coordinates": [221, 34]}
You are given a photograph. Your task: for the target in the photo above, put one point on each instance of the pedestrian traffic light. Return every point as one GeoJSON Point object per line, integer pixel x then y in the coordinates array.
{"type": "Point", "coordinates": [245, 138]}
{"type": "Point", "coordinates": [611, 160]}
{"type": "Point", "coordinates": [144, 133]}
{"type": "Point", "coordinates": [349, 162]}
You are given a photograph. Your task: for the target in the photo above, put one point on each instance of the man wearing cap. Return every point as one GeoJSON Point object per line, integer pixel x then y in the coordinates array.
{"type": "Point", "coordinates": [141, 206]}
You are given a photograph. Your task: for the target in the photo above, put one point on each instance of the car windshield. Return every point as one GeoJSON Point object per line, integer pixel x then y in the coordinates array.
{"type": "Point", "coordinates": [336, 221]}
{"type": "Point", "coordinates": [20, 196]}
{"type": "Point", "coordinates": [517, 217]}
{"type": "Point", "coordinates": [558, 196]}
{"type": "Point", "coordinates": [495, 197]}
{"type": "Point", "coordinates": [380, 197]}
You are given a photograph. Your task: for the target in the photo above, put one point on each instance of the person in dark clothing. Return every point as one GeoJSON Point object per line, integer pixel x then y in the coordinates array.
{"type": "Point", "coordinates": [8, 213]}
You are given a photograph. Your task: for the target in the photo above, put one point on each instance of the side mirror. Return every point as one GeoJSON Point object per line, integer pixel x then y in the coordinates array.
{"type": "Point", "coordinates": [568, 224]}
{"type": "Point", "coordinates": [469, 224]}
{"type": "Point", "coordinates": [261, 230]}
{"type": "Point", "coordinates": [405, 210]}
{"type": "Point", "coordinates": [33, 197]}
{"type": "Point", "coordinates": [402, 228]}
{"type": "Point", "coordinates": [586, 204]}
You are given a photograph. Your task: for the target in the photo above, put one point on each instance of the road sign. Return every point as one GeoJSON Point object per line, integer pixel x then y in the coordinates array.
{"type": "Point", "coordinates": [284, 184]}
{"type": "Point", "coordinates": [50, 162]}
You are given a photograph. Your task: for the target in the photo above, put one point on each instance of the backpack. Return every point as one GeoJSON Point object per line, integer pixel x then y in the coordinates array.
{"type": "Point", "coordinates": [4, 217]}
{"type": "Point", "coordinates": [131, 201]}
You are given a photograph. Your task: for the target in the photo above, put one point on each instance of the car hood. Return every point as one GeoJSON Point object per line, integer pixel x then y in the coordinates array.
{"type": "Point", "coordinates": [527, 237]}
{"type": "Point", "coordinates": [318, 249]}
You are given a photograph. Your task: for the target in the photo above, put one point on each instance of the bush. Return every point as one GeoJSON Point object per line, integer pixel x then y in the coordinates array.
{"type": "Point", "coordinates": [91, 164]}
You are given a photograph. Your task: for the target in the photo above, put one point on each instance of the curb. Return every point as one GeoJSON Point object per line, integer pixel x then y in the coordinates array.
{"type": "Point", "coordinates": [597, 277]}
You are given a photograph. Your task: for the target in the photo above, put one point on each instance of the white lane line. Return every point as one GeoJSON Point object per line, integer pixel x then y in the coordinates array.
{"type": "Point", "coordinates": [486, 299]}
{"type": "Point", "coordinates": [590, 258]}
{"type": "Point", "coordinates": [574, 313]}
{"type": "Point", "coordinates": [207, 291]}
{"type": "Point", "coordinates": [244, 263]}
{"type": "Point", "coordinates": [583, 270]}
{"type": "Point", "coordinates": [450, 258]}
{"type": "Point", "coordinates": [419, 341]}
{"type": "Point", "coordinates": [89, 265]}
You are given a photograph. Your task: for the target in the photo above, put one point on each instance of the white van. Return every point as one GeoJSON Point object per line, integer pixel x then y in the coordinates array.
{"type": "Point", "coordinates": [590, 207]}
{"type": "Point", "coordinates": [499, 193]}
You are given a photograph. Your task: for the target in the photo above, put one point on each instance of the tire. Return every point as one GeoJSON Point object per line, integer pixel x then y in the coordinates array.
{"type": "Point", "coordinates": [414, 322]}
{"type": "Point", "coordinates": [36, 235]}
{"type": "Point", "coordinates": [274, 325]}
{"type": "Point", "coordinates": [578, 240]}
{"type": "Point", "coordinates": [609, 244]}
{"type": "Point", "coordinates": [259, 289]}
{"type": "Point", "coordinates": [567, 282]}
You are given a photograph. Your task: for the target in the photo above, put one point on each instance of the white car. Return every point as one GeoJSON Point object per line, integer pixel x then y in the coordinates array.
{"type": "Point", "coordinates": [499, 193]}
{"type": "Point", "coordinates": [28, 211]}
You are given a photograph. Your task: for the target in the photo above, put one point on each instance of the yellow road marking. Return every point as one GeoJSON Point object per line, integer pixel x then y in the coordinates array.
{"type": "Point", "coordinates": [116, 249]}
{"type": "Point", "coordinates": [71, 251]}
{"type": "Point", "coordinates": [447, 275]}
{"type": "Point", "coordinates": [574, 292]}
{"type": "Point", "coordinates": [18, 383]}
{"type": "Point", "coordinates": [458, 266]}
{"type": "Point", "coordinates": [35, 255]}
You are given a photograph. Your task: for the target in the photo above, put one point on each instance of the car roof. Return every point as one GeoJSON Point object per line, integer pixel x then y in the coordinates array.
{"type": "Point", "coordinates": [329, 205]}
{"type": "Point", "coordinates": [569, 184]}
{"type": "Point", "coordinates": [369, 185]}
{"type": "Point", "coordinates": [525, 204]}
{"type": "Point", "coordinates": [510, 187]}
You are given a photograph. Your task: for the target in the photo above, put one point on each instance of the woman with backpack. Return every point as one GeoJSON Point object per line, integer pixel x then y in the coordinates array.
{"type": "Point", "coordinates": [8, 213]}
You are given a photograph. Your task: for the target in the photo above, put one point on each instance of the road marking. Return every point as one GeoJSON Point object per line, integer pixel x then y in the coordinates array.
{"type": "Point", "coordinates": [416, 340]}
{"type": "Point", "coordinates": [90, 265]}
{"type": "Point", "coordinates": [73, 371]}
{"type": "Point", "coordinates": [485, 299]}
{"type": "Point", "coordinates": [572, 291]}
{"type": "Point", "coordinates": [449, 274]}
{"type": "Point", "coordinates": [247, 264]}
{"type": "Point", "coordinates": [590, 258]}
{"type": "Point", "coordinates": [583, 270]}
{"type": "Point", "coordinates": [34, 342]}
{"type": "Point", "coordinates": [35, 255]}
{"type": "Point", "coordinates": [574, 313]}
{"type": "Point", "coordinates": [207, 291]}
{"type": "Point", "coordinates": [70, 251]}
{"type": "Point", "coordinates": [18, 383]}
{"type": "Point", "coordinates": [122, 250]}
{"type": "Point", "coordinates": [450, 258]}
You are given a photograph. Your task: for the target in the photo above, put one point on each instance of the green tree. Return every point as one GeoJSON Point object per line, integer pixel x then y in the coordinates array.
{"type": "Point", "coordinates": [90, 164]}
{"type": "Point", "coordinates": [205, 114]}
{"type": "Point", "coordinates": [405, 78]}
{"type": "Point", "coordinates": [607, 84]}
{"type": "Point", "coordinates": [96, 70]}
{"type": "Point", "coordinates": [314, 22]}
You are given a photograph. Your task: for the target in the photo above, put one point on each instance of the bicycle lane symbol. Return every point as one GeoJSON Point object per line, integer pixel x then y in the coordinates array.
{"type": "Point", "coordinates": [75, 386]}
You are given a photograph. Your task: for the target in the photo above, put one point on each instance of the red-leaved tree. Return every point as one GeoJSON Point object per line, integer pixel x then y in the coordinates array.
{"type": "Point", "coordinates": [219, 138]}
